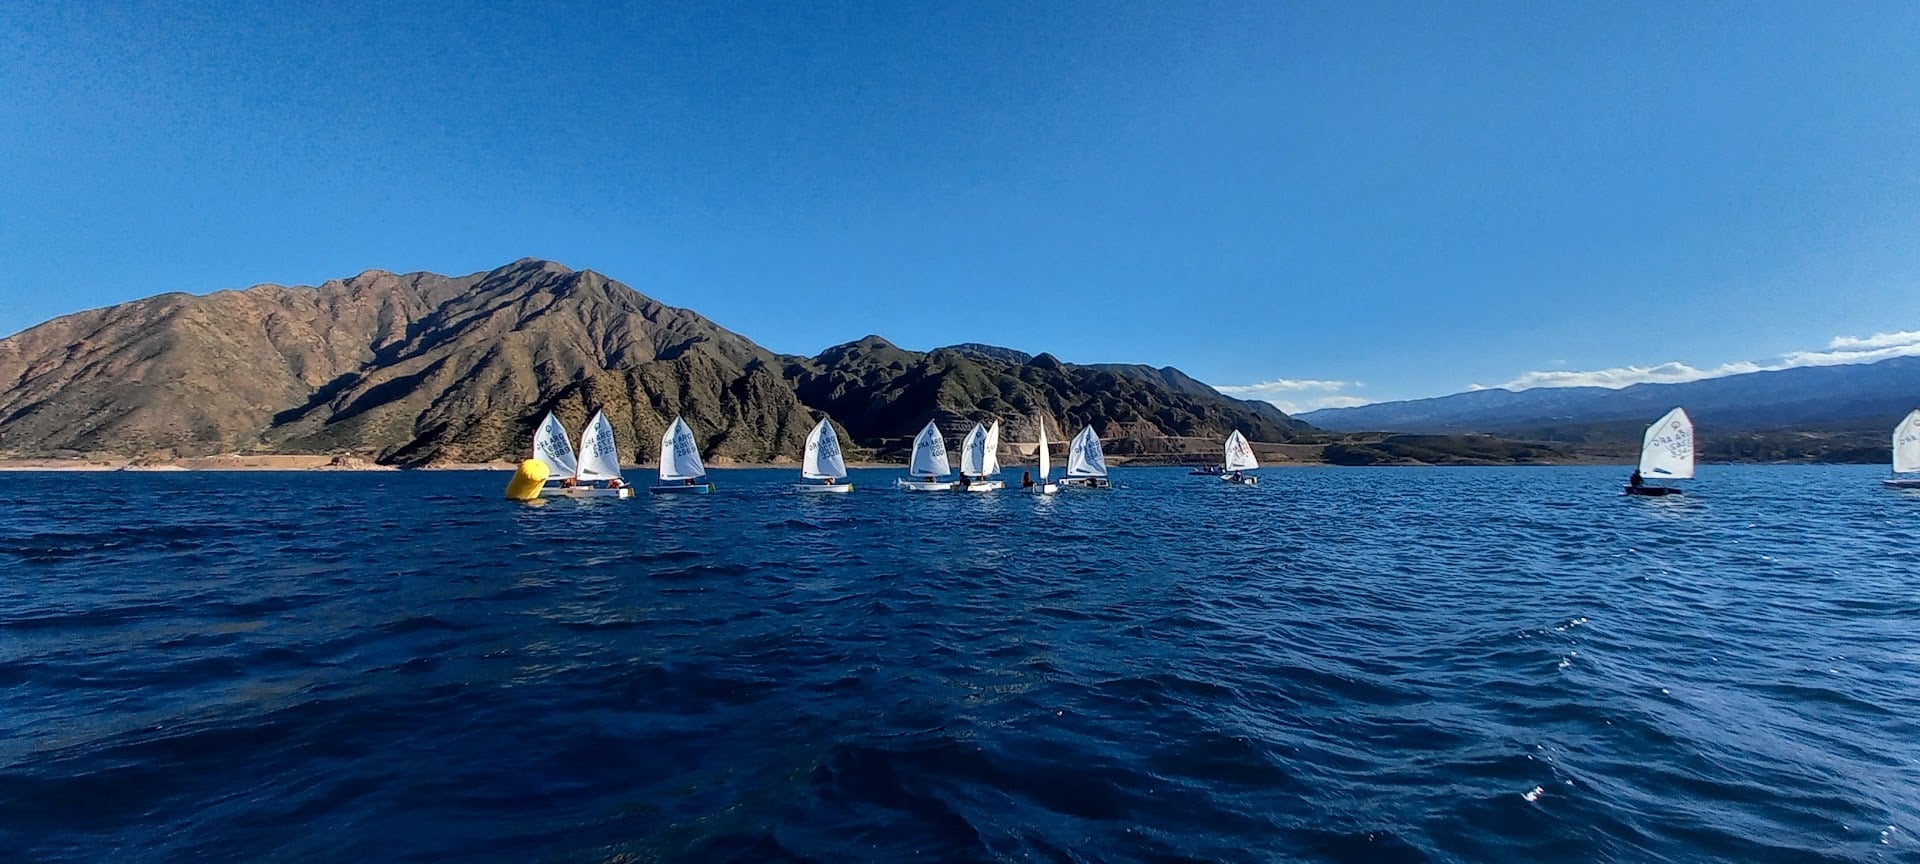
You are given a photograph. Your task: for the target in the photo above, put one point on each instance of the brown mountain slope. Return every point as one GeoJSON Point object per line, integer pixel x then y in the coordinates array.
{"type": "Point", "coordinates": [424, 368]}
{"type": "Point", "coordinates": [198, 374]}
{"type": "Point", "coordinates": [520, 335]}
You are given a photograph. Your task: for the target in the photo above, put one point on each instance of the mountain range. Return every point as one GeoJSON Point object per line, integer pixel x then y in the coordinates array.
{"type": "Point", "coordinates": [420, 368]}
{"type": "Point", "coordinates": [1868, 397]}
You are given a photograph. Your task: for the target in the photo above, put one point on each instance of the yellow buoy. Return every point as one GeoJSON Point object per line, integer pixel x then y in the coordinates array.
{"type": "Point", "coordinates": [527, 480]}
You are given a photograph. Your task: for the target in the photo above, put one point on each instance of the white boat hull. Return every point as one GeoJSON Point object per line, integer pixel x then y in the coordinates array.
{"type": "Point", "coordinates": [1085, 483]}
{"type": "Point", "coordinates": [984, 486]}
{"type": "Point", "coordinates": [1043, 489]}
{"type": "Point", "coordinates": [696, 489]}
{"type": "Point", "coordinates": [585, 492]}
{"type": "Point", "coordinates": [924, 485]}
{"type": "Point", "coordinates": [1242, 480]}
{"type": "Point", "coordinates": [1902, 482]}
{"type": "Point", "coordinates": [823, 487]}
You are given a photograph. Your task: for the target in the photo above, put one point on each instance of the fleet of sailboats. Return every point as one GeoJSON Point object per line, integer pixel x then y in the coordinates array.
{"type": "Point", "coordinates": [680, 470]}
{"type": "Point", "coordinates": [1906, 453]}
{"type": "Point", "coordinates": [1666, 451]}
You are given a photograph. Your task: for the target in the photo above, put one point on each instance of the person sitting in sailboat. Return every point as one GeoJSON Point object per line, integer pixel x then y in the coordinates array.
{"type": "Point", "coordinates": [1636, 481]}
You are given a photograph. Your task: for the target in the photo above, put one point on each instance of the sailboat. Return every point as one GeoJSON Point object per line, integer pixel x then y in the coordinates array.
{"type": "Point", "coordinates": [928, 469]}
{"type": "Point", "coordinates": [1044, 484]}
{"type": "Point", "coordinates": [1239, 458]}
{"type": "Point", "coordinates": [1666, 451]}
{"type": "Point", "coordinates": [551, 447]}
{"type": "Point", "coordinates": [980, 460]}
{"type": "Point", "coordinates": [680, 470]}
{"type": "Point", "coordinates": [599, 461]}
{"type": "Point", "coordinates": [1906, 452]}
{"type": "Point", "coordinates": [822, 465]}
{"type": "Point", "coordinates": [1086, 465]}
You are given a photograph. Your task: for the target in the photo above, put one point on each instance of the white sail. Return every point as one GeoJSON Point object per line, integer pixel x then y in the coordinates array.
{"type": "Point", "coordinates": [1240, 453]}
{"type": "Point", "coordinates": [1084, 458]}
{"type": "Point", "coordinates": [1906, 444]}
{"type": "Point", "coordinates": [1046, 458]}
{"type": "Point", "coordinates": [599, 458]}
{"type": "Point", "coordinates": [990, 462]}
{"type": "Point", "coordinates": [973, 452]}
{"type": "Point", "coordinates": [823, 460]}
{"type": "Point", "coordinates": [550, 445]}
{"type": "Point", "coordinates": [929, 454]}
{"type": "Point", "coordinates": [1667, 451]}
{"type": "Point", "coordinates": [679, 455]}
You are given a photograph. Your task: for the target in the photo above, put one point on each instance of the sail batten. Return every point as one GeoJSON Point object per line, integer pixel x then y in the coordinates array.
{"type": "Point", "coordinates": [823, 460]}
{"type": "Point", "coordinates": [1667, 449]}
{"type": "Point", "coordinates": [1084, 458]}
{"type": "Point", "coordinates": [599, 457]}
{"type": "Point", "coordinates": [680, 454]}
{"type": "Point", "coordinates": [1906, 444]}
{"type": "Point", "coordinates": [550, 445]}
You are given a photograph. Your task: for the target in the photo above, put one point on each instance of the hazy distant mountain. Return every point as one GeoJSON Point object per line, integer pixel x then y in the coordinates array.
{"type": "Point", "coordinates": [425, 368]}
{"type": "Point", "coordinates": [1857, 397]}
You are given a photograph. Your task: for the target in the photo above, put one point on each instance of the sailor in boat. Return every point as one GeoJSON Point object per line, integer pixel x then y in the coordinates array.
{"type": "Point", "coordinates": [1636, 481]}
{"type": "Point", "coordinates": [826, 481]}
{"type": "Point", "coordinates": [689, 481]}
{"type": "Point", "coordinates": [569, 482]}
{"type": "Point", "coordinates": [615, 483]}
{"type": "Point", "coordinates": [1026, 479]}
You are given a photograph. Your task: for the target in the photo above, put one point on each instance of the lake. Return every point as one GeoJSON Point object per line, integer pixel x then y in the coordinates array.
{"type": "Point", "coordinates": [1473, 664]}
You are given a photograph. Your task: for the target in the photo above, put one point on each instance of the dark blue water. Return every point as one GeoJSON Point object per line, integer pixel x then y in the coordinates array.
{"type": "Point", "coordinates": [1342, 664]}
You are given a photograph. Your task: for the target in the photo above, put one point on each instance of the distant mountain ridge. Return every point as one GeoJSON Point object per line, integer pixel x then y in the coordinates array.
{"type": "Point", "coordinates": [422, 368]}
{"type": "Point", "coordinates": [1867, 396]}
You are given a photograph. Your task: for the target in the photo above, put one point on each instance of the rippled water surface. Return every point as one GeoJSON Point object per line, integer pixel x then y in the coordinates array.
{"type": "Point", "coordinates": [1341, 664]}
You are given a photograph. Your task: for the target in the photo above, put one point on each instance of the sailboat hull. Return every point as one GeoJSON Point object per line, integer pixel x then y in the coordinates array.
{"type": "Point", "coordinates": [984, 486]}
{"type": "Point", "coordinates": [585, 492]}
{"type": "Point", "coordinates": [1043, 488]}
{"type": "Point", "coordinates": [1652, 491]}
{"type": "Point", "coordinates": [823, 487]}
{"type": "Point", "coordinates": [1085, 483]}
{"type": "Point", "coordinates": [1902, 482]}
{"type": "Point", "coordinates": [696, 489]}
{"type": "Point", "coordinates": [1241, 479]}
{"type": "Point", "coordinates": [924, 485]}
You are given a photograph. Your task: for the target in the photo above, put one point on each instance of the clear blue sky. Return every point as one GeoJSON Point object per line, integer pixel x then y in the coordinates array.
{"type": "Point", "coordinates": [1415, 196]}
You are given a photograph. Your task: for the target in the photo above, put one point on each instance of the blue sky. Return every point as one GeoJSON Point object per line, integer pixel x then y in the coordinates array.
{"type": "Point", "coordinates": [1345, 201]}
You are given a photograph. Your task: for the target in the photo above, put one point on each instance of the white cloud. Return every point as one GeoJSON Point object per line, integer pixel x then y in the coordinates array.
{"type": "Point", "coordinates": [1284, 385]}
{"type": "Point", "coordinates": [1296, 389]}
{"type": "Point", "coordinates": [1877, 340]}
{"type": "Point", "coordinates": [1851, 349]}
{"type": "Point", "coordinates": [1624, 376]}
{"type": "Point", "coordinates": [1840, 350]}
